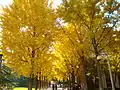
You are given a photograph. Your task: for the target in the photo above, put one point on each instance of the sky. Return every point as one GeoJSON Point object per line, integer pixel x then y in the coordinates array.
{"type": "Point", "coordinates": [7, 2]}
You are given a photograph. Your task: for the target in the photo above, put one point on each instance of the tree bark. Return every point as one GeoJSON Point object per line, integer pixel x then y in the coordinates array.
{"type": "Point", "coordinates": [69, 83]}
{"type": "Point", "coordinates": [85, 86]}
{"type": "Point", "coordinates": [85, 81]}
{"type": "Point", "coordinates": [99, 75]}
{"type": "Point", "coordinates": [104, 81]}
{"type": "Point", "coordinates": [95, 46]}
{"type": "Point", "coordinates": [39, 84]}
{"type": "Point", "coordinates": [30, 83]}
{"type": "Point", "coordinates": [73, 81]}
{"type": "Point", "coordinates": [117, 84]}
{"type": "Point", "coordinates": [36, 86]}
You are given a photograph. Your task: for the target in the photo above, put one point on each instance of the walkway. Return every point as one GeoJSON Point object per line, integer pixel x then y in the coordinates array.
{"type": "Point", "coordinates": [57, 89]}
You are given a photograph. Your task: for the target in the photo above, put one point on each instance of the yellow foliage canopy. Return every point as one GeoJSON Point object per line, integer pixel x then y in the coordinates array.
{"type": "Point", "coordinates": [28, 26]}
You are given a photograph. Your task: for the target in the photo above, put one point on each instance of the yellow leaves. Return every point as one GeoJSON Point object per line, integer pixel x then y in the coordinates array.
{"type": "Point", "coordinates": [68, 48]}
{"type": "Point", "coordinates": [27, 36]}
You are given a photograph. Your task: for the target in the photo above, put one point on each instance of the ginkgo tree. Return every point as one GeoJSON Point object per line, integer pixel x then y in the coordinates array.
{"type": "Point", "coordinates": [98, 17]}
{"type": "Point", "coordinates": [114, 55]}
{"type": "Point", "coordinates": [37, 45]}
{"type": "Point", "coordinates": [28, 27]}
{"type": "Point", "coordinates": [69, 49]}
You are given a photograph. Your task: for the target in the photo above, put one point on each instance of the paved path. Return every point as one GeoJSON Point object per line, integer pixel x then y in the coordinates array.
{"type": "Point", "coordinates": [57, 89]}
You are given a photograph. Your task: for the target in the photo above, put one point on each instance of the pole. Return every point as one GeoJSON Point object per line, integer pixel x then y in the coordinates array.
{"type": "Point", "coordinates": [99, 72]}
{"type": "Point", "coordinates": [111, 78]}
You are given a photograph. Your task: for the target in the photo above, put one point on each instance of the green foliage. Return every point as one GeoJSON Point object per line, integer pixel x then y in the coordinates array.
{"type": "Point", "coordinates": [22, 81]}
{"type": "Point", "coordinates": [7, 78]}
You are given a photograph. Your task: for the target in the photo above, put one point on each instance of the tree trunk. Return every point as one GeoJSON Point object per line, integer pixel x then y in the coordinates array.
{"type": "Point", "coordinates": [43, 82]}
{"type": "Point", "coordinates": [85, 86]}
{"type": "Point", "coordinates": [39, 84]}
{"type": "Point", "coordinates": [85, 81]}
{"type": "Point", "coordinates": [69, 82]}
{"type": "Point", "coordinates": [104, 81]}
{"type": "Point", "coordinates": [36, 86]}
{"type": "Point", "coordinates": [30, 83]}
{"type": "Point", "coordinates": [99, 75]}
{"type": "Point", "coordinates": [117, 82]}
{"type": "Point", "coordinates": [73, 80]}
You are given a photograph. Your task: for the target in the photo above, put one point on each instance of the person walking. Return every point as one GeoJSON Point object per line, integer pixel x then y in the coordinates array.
{"type": "Point", "coordinates": [53, 86]}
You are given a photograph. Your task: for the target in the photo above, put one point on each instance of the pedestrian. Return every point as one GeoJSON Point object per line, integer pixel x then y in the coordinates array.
{"type": "Point", "coordinates": [53, 87]}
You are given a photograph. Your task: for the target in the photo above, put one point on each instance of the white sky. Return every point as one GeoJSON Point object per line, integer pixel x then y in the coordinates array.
{"type": "Point", "coordinates": [56, 3]}
{"type": "Point", "coordinates": [7, 2]}
{"type": "Point", "coordinates": [4, 3]}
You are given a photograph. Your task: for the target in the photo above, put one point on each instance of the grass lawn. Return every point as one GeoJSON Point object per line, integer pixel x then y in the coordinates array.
{"type": "Point", "coordinates": [21, 88]}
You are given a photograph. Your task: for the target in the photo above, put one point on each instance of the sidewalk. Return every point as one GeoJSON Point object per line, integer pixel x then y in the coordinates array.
{"type": "Point", "coordinates": [57, 89]}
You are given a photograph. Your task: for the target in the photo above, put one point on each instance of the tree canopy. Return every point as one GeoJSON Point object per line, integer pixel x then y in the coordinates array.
{"type": "Point", "coordinates": [64, 43]}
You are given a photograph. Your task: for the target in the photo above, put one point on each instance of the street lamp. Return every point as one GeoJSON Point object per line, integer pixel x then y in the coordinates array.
{"type": "Point", "coordinates": [109, 68]}
{"type": "Point", "coordinates": [110, 72]}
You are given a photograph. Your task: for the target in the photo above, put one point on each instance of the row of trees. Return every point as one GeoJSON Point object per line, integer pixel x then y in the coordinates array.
{"type": "Point", "coordinates": [73, 43]}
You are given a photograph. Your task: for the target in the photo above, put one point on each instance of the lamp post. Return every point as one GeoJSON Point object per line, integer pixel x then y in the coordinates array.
{"type": "Point", "coordinates": [109, 68]}
{"type": "Point", "coordinates": [110, 72]}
